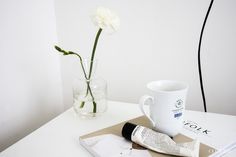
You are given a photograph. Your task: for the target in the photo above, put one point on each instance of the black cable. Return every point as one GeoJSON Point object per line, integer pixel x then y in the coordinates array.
{"type": "Point", "coordinates": [199, 56]}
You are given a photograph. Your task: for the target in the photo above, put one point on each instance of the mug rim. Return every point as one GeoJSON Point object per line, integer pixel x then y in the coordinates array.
{"type": "Point", "coordinates": [183, 84]}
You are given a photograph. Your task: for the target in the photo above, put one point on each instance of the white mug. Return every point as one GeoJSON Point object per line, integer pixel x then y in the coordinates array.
{"type": "Point", "coordinates": [166, 105]}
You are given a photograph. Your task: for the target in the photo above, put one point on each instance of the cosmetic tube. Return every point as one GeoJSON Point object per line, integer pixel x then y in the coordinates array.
{"type": "Point", "coordinates": [159, 142]}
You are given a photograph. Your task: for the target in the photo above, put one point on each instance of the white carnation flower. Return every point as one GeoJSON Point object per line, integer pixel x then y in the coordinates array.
{"type": "Point", "coordinates": [106, 19]}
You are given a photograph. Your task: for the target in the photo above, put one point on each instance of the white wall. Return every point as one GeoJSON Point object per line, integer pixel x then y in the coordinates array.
{"type": "Point", "coordinates": [30, 78]}
{"type": "Point", "coordinates": [158, 39]}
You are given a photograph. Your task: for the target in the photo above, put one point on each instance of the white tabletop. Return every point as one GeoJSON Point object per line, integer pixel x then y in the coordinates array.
{"type": "Point", "coordinates": [59, 137]}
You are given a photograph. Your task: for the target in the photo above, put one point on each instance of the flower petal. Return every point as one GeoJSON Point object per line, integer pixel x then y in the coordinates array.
{"type": "Point", "coordinates": [106, 19]}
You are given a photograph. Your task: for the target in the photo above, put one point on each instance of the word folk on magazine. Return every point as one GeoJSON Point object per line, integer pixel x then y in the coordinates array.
{"type": "Point", "coordinates": [194, 127]}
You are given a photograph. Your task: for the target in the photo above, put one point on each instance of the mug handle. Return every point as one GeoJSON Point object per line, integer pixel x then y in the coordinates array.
{"type": "Point", "coordinates": [143, 101]}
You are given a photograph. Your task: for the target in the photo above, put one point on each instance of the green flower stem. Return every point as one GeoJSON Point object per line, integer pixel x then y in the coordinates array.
{"type": "Point", "coordinates": [94, 103]}
{"type": "Point", "coordinates": [87, 89]}
{"type": "Point", "coordinates": [81, 62]}
{"type": "Point", "coordinates": [72, 53]}
{"type": "Point", "coordinates": [90, 68]}
{"type": "Point", "coordinates": [82, 104]}
{"type": "Point", "coordinates": [88, 85]}
{"type": "Point", "coordinates": [94, 107]}
{"type": "Point", "coordinates": [93, 53]}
